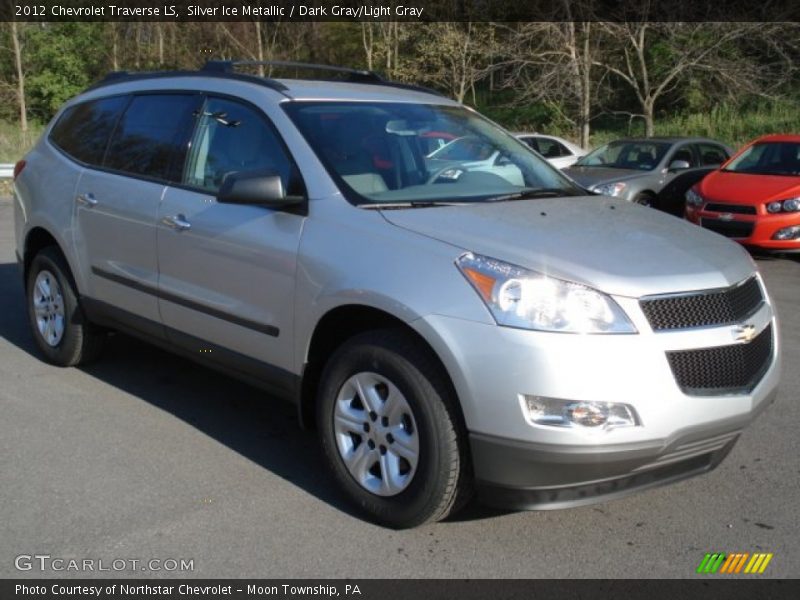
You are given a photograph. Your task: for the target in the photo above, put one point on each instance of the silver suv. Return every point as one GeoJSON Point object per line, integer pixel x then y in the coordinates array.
{"type": "Point", "coordinates": [448, 329]}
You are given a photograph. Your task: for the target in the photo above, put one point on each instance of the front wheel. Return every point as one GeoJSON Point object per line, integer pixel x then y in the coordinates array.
{"type": "Point", "coordinates": [390, 430]}
{"type": "Point", "coordinates": [646, 199]}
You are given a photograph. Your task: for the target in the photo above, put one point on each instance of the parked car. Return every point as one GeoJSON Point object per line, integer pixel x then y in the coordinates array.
{"type": "Point", "coordinates": [474, 154]}
{"type": "Point", "coordinates": [637, 169]}
{"type": "Point", "coordinates": [446, 330]}
{"type": "Point", "coordinates": [755, 197]}
{"type": "Point", "coordinates": [559, 152]}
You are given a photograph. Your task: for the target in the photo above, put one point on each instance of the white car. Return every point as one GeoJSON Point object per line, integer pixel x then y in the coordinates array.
{"type": "Point", "coordinates": [559, 152]}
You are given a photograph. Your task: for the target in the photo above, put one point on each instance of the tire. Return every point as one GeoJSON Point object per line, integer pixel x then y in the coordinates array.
{"type": "Point", "coordinates": [402, 377]}
{"type": "Point", "coordinates": [646, 199]}
{"type": "Point", "coordinates": [69, 339]}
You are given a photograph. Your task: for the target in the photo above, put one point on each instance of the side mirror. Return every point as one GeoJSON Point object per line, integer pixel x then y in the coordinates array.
{"type": "Point", "coordinates": [678, 165]}
{"type": "Point", "coordinates": [259, 188]}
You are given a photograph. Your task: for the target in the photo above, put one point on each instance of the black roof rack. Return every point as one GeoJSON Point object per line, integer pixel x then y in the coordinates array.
{"type": "Point", "coordinates": [125, 76]}
{"type": "Point", "coordinates": [353, 75]}
{"type": "Point", "coordinates": [227, 69]}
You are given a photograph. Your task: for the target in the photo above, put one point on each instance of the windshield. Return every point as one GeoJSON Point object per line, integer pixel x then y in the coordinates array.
{"type": "Point", "coordinates": [642, 156]}
{"type": "Point", "coordinates": [768, 158]}
{"type": "Point", "coordinates": [385, 152]}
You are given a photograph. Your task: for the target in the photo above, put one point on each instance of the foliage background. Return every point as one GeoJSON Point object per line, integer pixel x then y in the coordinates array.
{"type": "Point", "coordinates": [588, 82]}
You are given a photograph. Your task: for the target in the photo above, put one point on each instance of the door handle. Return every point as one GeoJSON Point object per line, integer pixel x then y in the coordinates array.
{"type": "Point", "coordinates": [177, 222]}
{"type": "Point", "coordinates": [88, 200]}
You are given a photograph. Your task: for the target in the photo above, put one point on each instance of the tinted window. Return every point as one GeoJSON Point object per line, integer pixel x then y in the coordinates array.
{"type": "Point", "coordinates": [768, 158]}
{"type": "Point", "coordinates": [711, 155]}
{"type": "Point", "coordinates": [83, 130]}
{"type": "Point", "coordinates": [685, 154]}
{"type": "Point", "coordinates": [152, 136]}
{"type": "Point", "coordinates": [627, 155]}
{"type": "Point", "coordinates": [232, 137]}
{"type": "Point", "coordinates": [552, 149]}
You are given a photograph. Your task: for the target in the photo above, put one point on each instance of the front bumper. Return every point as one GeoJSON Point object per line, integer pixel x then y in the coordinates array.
{"type": "Point", "coordinates": [524, 476]}
{"type": "Point", "coordinates": [521, 464]}
{"type": "Point", "coordinates": [754, 231]}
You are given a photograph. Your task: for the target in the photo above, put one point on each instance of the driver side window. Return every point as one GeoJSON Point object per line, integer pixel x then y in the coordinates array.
{"type": "Point", "coordinates": [229, 138]}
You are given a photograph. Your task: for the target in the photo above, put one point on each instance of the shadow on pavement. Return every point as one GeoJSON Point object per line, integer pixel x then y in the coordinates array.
{"type": "Point", "coordinates": [245, 419]}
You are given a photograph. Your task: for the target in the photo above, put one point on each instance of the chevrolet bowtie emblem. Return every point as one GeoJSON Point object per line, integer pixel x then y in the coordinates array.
{"type": "Point", "coordinates": [744, 333]}
{"type": "Point", "coordinates": [726, 217]}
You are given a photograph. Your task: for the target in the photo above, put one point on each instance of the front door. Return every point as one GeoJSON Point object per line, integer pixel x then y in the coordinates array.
{"type": "Point", "coordinates": [227, 271]}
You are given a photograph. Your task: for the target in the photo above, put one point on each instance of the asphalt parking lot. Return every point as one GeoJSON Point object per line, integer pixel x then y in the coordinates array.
{"type": "Point", "coordinates": [146, 456]}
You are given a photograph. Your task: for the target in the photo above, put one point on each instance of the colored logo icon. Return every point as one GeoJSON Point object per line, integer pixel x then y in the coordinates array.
{"type": "Point", "coordinates": [734, 563]}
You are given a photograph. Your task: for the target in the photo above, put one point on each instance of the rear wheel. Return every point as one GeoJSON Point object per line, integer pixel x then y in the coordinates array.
{"type": "Point", "coordinates": [390, 430]}
{"type": "Point", "coordinates": [59, 325]}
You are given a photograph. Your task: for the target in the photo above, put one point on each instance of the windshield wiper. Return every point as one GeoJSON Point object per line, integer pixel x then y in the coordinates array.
{"type": "Point", "coordinates": [529, 194]}
{"type": "Point", "coordinates": [410, 204]}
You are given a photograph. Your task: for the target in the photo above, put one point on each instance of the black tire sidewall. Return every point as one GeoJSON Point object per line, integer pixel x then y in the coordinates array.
{"type": "Point", "coordinates": [66, 351]}
{"type": "Point", "coordinates": [420, 499]}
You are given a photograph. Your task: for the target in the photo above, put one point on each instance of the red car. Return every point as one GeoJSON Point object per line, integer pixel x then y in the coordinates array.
{"type": "Point", "coordinates": [753, 198]}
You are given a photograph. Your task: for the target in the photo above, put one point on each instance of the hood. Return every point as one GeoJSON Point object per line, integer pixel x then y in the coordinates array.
{"type": "Point", "coordinates": [591, 176]}
{"type": "Point", "coordinates": [616, 247]}
{"type": "Point", "coordinates": [746, 188]}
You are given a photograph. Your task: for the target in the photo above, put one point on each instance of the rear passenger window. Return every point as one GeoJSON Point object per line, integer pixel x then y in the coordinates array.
{"type": "Point", "coordinates": [82, 132]}
{"type": "Point", "coordinates": [711, 155]}
{"type": "Point", "coordinates": [231, 137]}
{"type": "Point", "coordinates": [152, 136]}
{"type": "Point", "coordinates": [552, 149]}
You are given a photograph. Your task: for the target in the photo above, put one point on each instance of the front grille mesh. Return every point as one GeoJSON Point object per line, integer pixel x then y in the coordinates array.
{"type": "Point", "coordinates": [705, 309]}
{"type": "Point", "coordinates": [724, 369]}
{"type": "Point", "coordinates": [741, 209]}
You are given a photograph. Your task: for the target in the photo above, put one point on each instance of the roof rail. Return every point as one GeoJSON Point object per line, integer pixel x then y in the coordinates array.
{"type": "Point", "coordinates": [354, 75]}
{"type": "Point", "coordinates": [126, 76]}
{"type": "Point", "coordinates": [229, 66]}
{"type": "Point", "coordinates": [227, 69]}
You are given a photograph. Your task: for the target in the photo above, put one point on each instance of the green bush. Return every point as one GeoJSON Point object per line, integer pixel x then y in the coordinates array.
{"type": "Point", "coordinates": [13, 143]}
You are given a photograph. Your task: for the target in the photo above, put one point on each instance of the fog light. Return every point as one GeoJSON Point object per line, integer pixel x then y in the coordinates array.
{"type": "Point", "coordinates": [569, 413]}
{"type": "Point", "coordinates": [787, 233]}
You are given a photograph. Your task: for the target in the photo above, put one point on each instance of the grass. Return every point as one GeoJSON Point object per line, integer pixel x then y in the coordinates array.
{"type": "Point", "coordinates": [14, 143]}
{"type": "Point", "coordinates": [733, 125]}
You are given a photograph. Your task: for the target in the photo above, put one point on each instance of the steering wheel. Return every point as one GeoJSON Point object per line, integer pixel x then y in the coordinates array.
{"type": "Point", "coordinates": [432, 179]}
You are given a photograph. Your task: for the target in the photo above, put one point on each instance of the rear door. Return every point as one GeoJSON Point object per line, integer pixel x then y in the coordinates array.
{"type": "Point", "coordinates": [227, 271]}
{"type": "Point", "coordinates": [117, 203]}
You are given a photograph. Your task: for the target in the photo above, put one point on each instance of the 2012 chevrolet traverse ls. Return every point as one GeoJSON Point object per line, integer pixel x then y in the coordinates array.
{"type": "Point", "coordinates": [449, 329]}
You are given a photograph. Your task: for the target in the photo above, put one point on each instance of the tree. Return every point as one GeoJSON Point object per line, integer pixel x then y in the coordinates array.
{"type": "Point", "coordinates": [450, 56]}
{"type": "Point", "coordinates": [554, 63]}
{"type": "Point", "coordinates": [17, 46]}
{"type": "Point", "coordinates": [652, 59]}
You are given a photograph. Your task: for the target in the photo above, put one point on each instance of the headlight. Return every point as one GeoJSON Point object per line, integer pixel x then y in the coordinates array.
{"type": "Point", "coordinates": [517, 297]}
{"type": "Point", "coordinates": [610, 189]}
{"type": "Point", "coordinates": [791, 205]}
{"type": "Point", "coordinates": [694, 199]}
{"type": "Point", "coordinates": [788, 205]}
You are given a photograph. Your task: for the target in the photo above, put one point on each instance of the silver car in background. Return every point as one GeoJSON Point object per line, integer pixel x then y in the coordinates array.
{"type": "Point", "coordinates": [447, 329]}
{"type": "Point", "coordinates": [638, 169]}
{"type": "Point", "coordinates": [557, 151]}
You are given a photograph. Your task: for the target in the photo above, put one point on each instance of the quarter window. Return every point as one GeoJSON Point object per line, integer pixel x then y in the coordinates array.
{"type": "Point", "coordinates": [552, 149]}
{"type": "Point", "coordinates": [231, 138]}
{"type": "Point", "coordinates": [152, 137]}
{"type": "Point", "coordinates": [711, 155]}
{"type": "Point", "coordinates": [82, 132]}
